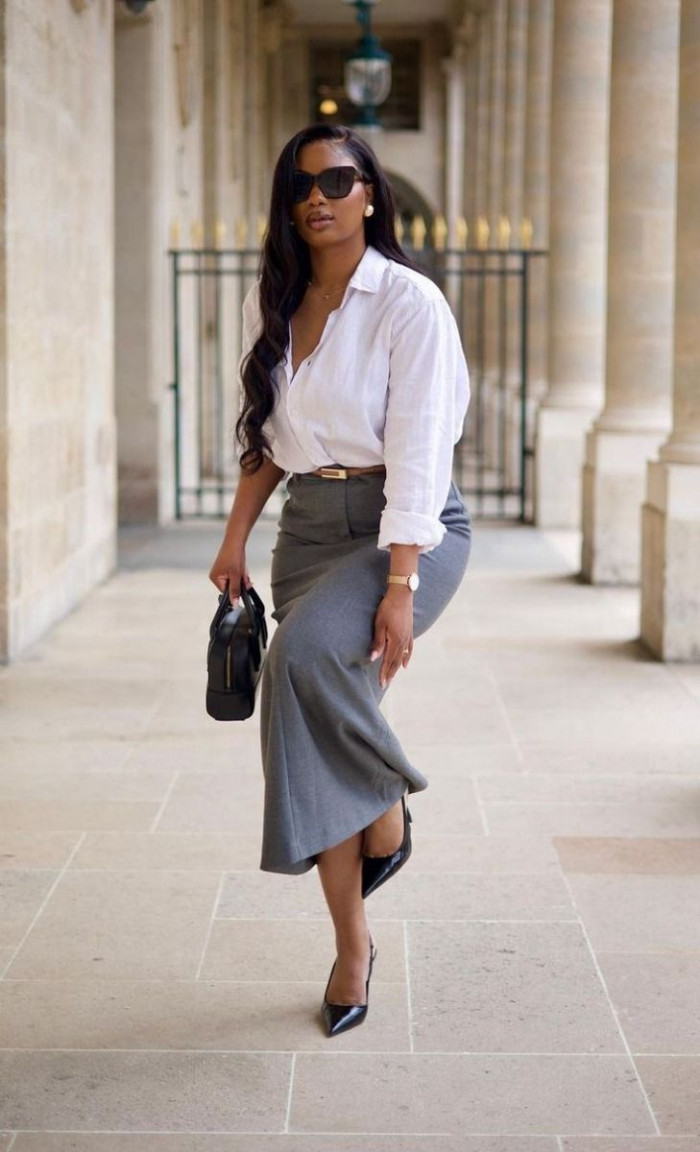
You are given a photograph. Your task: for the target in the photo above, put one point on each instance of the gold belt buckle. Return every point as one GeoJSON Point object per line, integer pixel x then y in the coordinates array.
{"type": "Point", "coordinates": [334, 473]}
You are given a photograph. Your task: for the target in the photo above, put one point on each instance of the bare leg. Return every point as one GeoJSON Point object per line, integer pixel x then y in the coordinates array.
{"type": "Point", "coordinates": [340, 869]}
{"type": "Point", "coordinates": [384, 835]}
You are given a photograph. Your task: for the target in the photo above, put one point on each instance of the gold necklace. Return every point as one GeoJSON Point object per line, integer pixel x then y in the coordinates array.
{"type": "Point", "coordinates": [327, 295]}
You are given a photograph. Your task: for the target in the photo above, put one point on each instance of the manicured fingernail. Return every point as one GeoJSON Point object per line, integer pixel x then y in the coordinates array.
{"type": "Point", "coordinates": [374, 655]}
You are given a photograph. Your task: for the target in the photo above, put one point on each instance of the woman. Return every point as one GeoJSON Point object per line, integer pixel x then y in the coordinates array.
{"type": "Point", "coordinates": [354, 384]}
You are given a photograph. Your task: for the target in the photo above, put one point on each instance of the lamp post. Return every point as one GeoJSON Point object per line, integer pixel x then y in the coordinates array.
{"type": "Point", "coordinates": [368, 70]}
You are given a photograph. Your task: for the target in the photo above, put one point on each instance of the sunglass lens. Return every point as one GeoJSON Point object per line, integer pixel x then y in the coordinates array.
{"type": "Point", "coordinates": [335, 183]}
{"type": "Point", "coordinates": [303, 183]}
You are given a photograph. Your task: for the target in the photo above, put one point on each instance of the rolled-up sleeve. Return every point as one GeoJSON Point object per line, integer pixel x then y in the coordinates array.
{"type": "Point", "coordinates": [427, 401]}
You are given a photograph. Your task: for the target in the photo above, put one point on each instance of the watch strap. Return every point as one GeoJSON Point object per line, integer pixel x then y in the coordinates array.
{"type": "Point", "coordinates": [406, 580]}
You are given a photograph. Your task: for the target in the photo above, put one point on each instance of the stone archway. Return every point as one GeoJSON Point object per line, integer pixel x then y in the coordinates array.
{"type": "Point", "coordinates": [410, 202]}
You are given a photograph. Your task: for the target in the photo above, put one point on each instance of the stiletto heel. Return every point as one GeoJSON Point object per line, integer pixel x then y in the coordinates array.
{"type": "Point", "coordinates": [341, 1017]}
{"type": "Point", "coordinates": [376, 870]}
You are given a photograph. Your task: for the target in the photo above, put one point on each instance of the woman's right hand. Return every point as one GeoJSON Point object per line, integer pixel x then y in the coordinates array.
{"type": "Point", "coordinates": [228, 568]}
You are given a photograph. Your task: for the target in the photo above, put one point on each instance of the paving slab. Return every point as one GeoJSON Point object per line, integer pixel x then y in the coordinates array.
{"type": "Point", "coordinates": [628, 1144]}
{"type": "Point", "coordinates": [657, 998]}
{"type": "Point", "coordinates": [291, 950]}
{"type": "Point", "coordinates": [507, 988]}
{"type": "Point", "coordinates": [629, 856]}
{"type": "Point", "coordinates": [170, 1015]}
{"type": "Point", "coordinates": [138, 925]}
{"type": "Point", "coordinates": [397, 1142]}
{"type": "Point", "coordinates": [468, 1094]}
{"type": "Point", "coordinates": [673, 1087]}
{"type": "Point", "coordinates": [639, 913]}
{"type": "Point", "coordinates": [144, 1091]}
{"type": "Point", "coordinates": [22, 895]}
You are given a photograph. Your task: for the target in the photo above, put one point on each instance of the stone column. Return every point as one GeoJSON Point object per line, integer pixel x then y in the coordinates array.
{"type": "Point", "coordinates": [536, 190]}
{"type": "Point", "coordinates": [159, 163]}
{"type": "Point", "coordinates": [577, 263]}
{"type": "Point", "coordinates": [671, 514]}
{"type": "Point", "coordinates": [536, 210]}
{"type": "Point", "coordinates": [474, 171]}
{"type": "Point", "coordinates": [140, 266]}
{"type": "Point", "coordinates": [455, 83]}
{"type": "Point", "coordinates": [455, 108]}
{"type": "Point", "coordinates": [295, 72]}
{"type": "Point", "coordinates": [471, 122]}
{"type": "Point", "coordinates": [516, 88]}
{"type": "Point", "coordinates": [641, 259]}
{"type": "Point", "coordinates": [255, 157]}
{"type": "Point", "coordinates": [6, 589]}
{"type": "Point", "coordinates": [476, 182]}
{"type": "Point", "coordinates": [455, 69]}
{"type": "Point", "coordinates": [513, 188]}
{"type": "Point", "coordinates": [483, 88]}
{"type": "Point", "coordinates": [497, 93]}
{"type": "Point", "coordinates": [495, 172]}
{"type": "Point", "coordinates": [272, 34]}
{"type": "Point", "coordinates": [494, 369]}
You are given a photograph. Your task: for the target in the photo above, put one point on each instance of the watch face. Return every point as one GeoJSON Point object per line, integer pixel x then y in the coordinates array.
{"type": "Point", "coordinates": [413, 581]}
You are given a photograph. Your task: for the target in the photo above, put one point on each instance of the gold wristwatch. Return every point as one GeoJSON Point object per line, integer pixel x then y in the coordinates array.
{"type": "Point", "coordinates": [411, 581]}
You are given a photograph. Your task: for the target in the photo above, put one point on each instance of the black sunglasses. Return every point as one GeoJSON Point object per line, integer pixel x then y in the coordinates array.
{"type": "Point", "coordinates": [335, 183]}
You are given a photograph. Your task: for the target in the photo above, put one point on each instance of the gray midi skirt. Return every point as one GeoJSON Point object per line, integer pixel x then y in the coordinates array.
{"type": "Point", "coordinates": [331, 762]}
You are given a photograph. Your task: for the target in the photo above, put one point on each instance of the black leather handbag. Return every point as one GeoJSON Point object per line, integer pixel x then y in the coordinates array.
{"type": "Point", "coordinates": [236, 654]}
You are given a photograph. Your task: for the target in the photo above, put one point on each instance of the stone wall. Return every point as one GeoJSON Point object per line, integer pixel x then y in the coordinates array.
{"type": "Point", "coordinates": [57, 499]}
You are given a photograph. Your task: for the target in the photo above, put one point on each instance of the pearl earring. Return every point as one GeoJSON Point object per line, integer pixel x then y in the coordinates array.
{"type": "Point", "coordinates": [369, 210]}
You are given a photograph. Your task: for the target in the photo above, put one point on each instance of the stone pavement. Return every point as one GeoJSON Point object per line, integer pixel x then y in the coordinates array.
{"type": "Point", "coordinates": [537, 987]}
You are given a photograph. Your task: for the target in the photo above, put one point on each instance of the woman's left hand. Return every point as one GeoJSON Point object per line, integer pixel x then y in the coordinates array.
{"type": "Point", "coordinates": [393, 632]}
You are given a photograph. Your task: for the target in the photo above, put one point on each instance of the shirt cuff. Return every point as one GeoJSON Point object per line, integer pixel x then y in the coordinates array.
{"type": "Point", "coordinates": [397, 527]}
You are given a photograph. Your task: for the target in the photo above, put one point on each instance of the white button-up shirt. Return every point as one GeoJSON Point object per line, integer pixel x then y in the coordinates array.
{"type": "Point", "coordinates": [387, 384]}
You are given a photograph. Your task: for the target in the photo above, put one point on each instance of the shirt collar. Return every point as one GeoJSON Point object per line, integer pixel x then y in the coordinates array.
{"type": "Point", "coordinates": [369, 272]}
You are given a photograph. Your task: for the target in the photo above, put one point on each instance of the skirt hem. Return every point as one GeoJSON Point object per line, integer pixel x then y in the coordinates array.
{"type": "Point", "coordinates": [307, 860]}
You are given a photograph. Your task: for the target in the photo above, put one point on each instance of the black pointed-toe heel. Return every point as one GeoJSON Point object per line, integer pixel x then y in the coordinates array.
{"type": "Point", "coordinates": [377, 869]}
{"type": "Point", "coordinates": [341, 1017]}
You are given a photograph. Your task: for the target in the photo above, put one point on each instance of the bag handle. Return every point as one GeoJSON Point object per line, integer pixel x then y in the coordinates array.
{"type": "Point", "coordinates": [228, 616]}
{"type": "Point", "coordinates": [256, 611]}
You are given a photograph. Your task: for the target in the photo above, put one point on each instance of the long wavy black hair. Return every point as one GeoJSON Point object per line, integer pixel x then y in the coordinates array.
{"type": "Point", "coordinates": [286, 270]}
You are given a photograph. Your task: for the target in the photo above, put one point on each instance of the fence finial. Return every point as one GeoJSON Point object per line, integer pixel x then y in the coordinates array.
{"type": "Point", "coordinates": [440, 233]}
{"type": "Point", "coordinates": [175, 233]}
{"type": "Point", "coordinates": [461, 233]}
{"type": "Point", "coordinates": [241, 232]}
{"type": "Point", "coordinates": [219, 234]}
{"type": "Point", "coordinates": [482, 232]}
{"type": "Point", "coordinates": [526, 232]}
{"type": "Point", "coordinates": [503, 232]}
{"type": "Point", "coordinates": [262, 228]}
{"type": "Point", "coordinates": [197, 234]}
{"type": "Point", "coordinates": [418, 233]}
{"type": "Point", "coordinates": [398, 227]}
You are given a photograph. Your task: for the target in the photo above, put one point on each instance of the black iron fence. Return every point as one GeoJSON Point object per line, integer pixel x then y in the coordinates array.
{"type": "Point", "coordinates": [490, 294]}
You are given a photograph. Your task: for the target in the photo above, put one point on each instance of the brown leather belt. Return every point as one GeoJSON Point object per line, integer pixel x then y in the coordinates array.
{"type": "Point", "coordinates": [343, 473]}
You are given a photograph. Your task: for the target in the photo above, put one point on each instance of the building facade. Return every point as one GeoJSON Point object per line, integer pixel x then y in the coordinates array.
{"type": "Point", "coordinates": [130, 133]}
